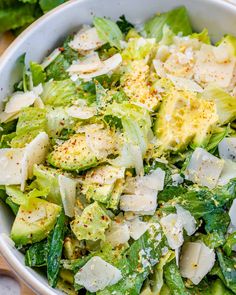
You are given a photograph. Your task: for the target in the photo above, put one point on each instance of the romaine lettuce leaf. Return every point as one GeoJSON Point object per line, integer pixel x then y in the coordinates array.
{"type": "Point", "coordinates": [16, 16]}
{"type": "Point", "coordinates": [47, 178]}
{"type": "Point", "coordinates": [174, 280]}
{"type": "Point", "coordinates": [7, 3]}
{"type": "Point", "coordinates": [167, 36]}
{"type": "Point", "coordinates": [230, 41]}
{"type": "Point", "coordinates": [138, 49]}
{"type": "Point", "coordinates": [177, 20]}
{"type": "Point", "coordinates": [217, 221]}
{"type": "Point", "coordinates": [137, 131]}
{"type": "Point", "coordinates": [201, 201]}
{"type": "Point", "coordinates": [31, 122]}
{"type": "Point", "coordinates": [155, 282]}
{"type": "Point", "coordinates": [212, 240]}
{"type": "Point", "coordinates": [230, 243]}
{"type": "Point", "coordinates": [57, 121]}
{"type": "Point", "coordinates": [124, 25]}
{"type": "Point", "coordinates": [57, 68]}
{"type": "Point", "coordinates": [137, 263]}
{"type": "Point", "coordinates": [218, 134]}
{"type": "Point", "coordinates": [202, 36]}
{"type": "Point", "coordinates": [47, 5]}
{"type": "Point", "coordinates": [20, 198]}
{"type": "Point", "coordinates": [227, 266]}
{"type": "Point", "coordinates": [59, 93]}
{"type": "Point", "coordinates": [225, 103]}
{"type": "Point", "coordinates": [7, 128]}
{"type": "Point", "coordinates": [38, 74]}
{"type": "Point", "coordinates": [108, 31]}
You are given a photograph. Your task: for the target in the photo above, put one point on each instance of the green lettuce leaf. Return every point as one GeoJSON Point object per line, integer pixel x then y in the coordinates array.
{"type": "Point", "coordinates": [47, 178]}
{"type": "Point", "coordinates": [225, 103]}
{"type": "Point", "coordinates": [174, 280]}
{"type": "Point", "coordinates": [201, 202]}
{"type": "Point", "coordinates": [136, 123]}
{"type": "Point", "coordinates": [14, 207]}
{"type": "Point", "coordinates": [47, 5]}
{"type": "Point", "coordinates": [57, 68]}
{"type": "Point", "coordinates": [108, 31]}
{"type": "Point", "coordinates": [31, 122]}
{"type": "Point", "coordinates": [230, 242]}
{"type": "Point", "coordinates": [20, 198]}
{"type": "Point", "coordinates": [137, 50]}
{"type": "Point", "coordinates": [137, 131]}
{"type": "Point", "coordinates": [177, 20]}
{"type": "Point", "coordinates": [217, 221]}
{"type": "Point", "coordinates": [167, 36]}
{"type": "Point", "coordinates": [59, 93]}
{"type": "Point", "coordinates": [137, 263]}
{"type": "Point", "coordinates": [227, 266]}
{"type": "Point", "coordinates": [155, 281]}
{"type": "Point", "coordinates": [29, 1]}
{"type": "Point", "coordinates": [16, 16]}
{"type": "Point", "coordinates": [212, 240]}
{"type": "Point", "coordinates": [207, 287]}
{"type": "Point", "coordinates": [7, 3]}
{"type": "Point", "coordinates": [7, 128]}
{"type": "Point", "coordinates": [203, 36]}
{"type": "Point", "coordinates": [218, 134]}
{"type": "Point", "coordinates": [228, 40]}
{"type": "Point", "coordinates": [218, 288]}
{"type": "Point", "coordinates": [58, 120]}
{"type": "Point", "coordinates": [38, 74]}
{"type": "Point", "coordinates": [124, 25]}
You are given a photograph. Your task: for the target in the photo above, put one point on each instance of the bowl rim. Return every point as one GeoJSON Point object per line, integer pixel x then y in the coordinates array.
{"type": "Point", "coordinates": [20, 269]}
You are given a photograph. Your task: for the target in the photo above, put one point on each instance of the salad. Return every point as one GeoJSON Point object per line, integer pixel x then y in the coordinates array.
{"type": "Point", "coordinates": [118, 160]}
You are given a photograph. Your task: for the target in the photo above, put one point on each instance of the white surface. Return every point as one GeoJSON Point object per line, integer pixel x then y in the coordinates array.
{"type": "Point", "coordinates": [8, 286]}
{"type": "Point", "coordinates": [38, 40]}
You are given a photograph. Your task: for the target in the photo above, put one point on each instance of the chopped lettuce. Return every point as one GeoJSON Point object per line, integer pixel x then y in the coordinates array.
{"type": "Point", "coordinates": [177, 20]}
{"type": "Point", "coordinates": [138, 262]}
{"type": "Point", "coordinates": [225, 103]}
{"type": "Point", "coordinates": [138, 49]}
{"type": "Point", "coordinates": [155, 282]}
{"type": "Point", "coordinates": [203, 36]}
{"type": "Point", "coordinates": [59, 93]}
{"type": "Point", "coordinates": [217, 136]}
{"type": "Point", "coordinates": [31, 122]}
{"type": "Point", "coordinates": [47, 5]}
{"type": "Point", "coordinates": [38, 74]}
{"type": "Point", "coordinates": [20, 198]}
{"type": "Point", "coordinates": [108, 31]}
{"type": "Point", "coordinates": [217, 221]}
{"type": "Point", "coordinates": [230, 244]}
{"type": "Point", "coordinates": [47, 178]}
{"type": "Point", "coordinates": [124, 25]}
{"type": "Point", "coordinates": [227, 266]}
{"type": "Point", "coordinates": [230, 41]}
{"type": "Point", "coordinates": [16, 16]}
{"type": "Point", "coordinates": [174, 280]}
{"type": "Point", "coordinates": [57, 121]}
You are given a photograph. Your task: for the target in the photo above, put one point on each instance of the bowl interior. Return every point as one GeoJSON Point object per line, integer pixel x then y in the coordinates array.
{"type": "Point", "coordinates": [217, 16]}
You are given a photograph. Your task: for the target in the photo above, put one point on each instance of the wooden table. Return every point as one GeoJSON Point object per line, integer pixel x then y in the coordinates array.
{"type": "Point", "coordinates": [5, 41]}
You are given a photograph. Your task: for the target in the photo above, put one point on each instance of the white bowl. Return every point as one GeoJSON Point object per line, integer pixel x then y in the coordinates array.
{"type": "Point", "coordinates": [218, 16]}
